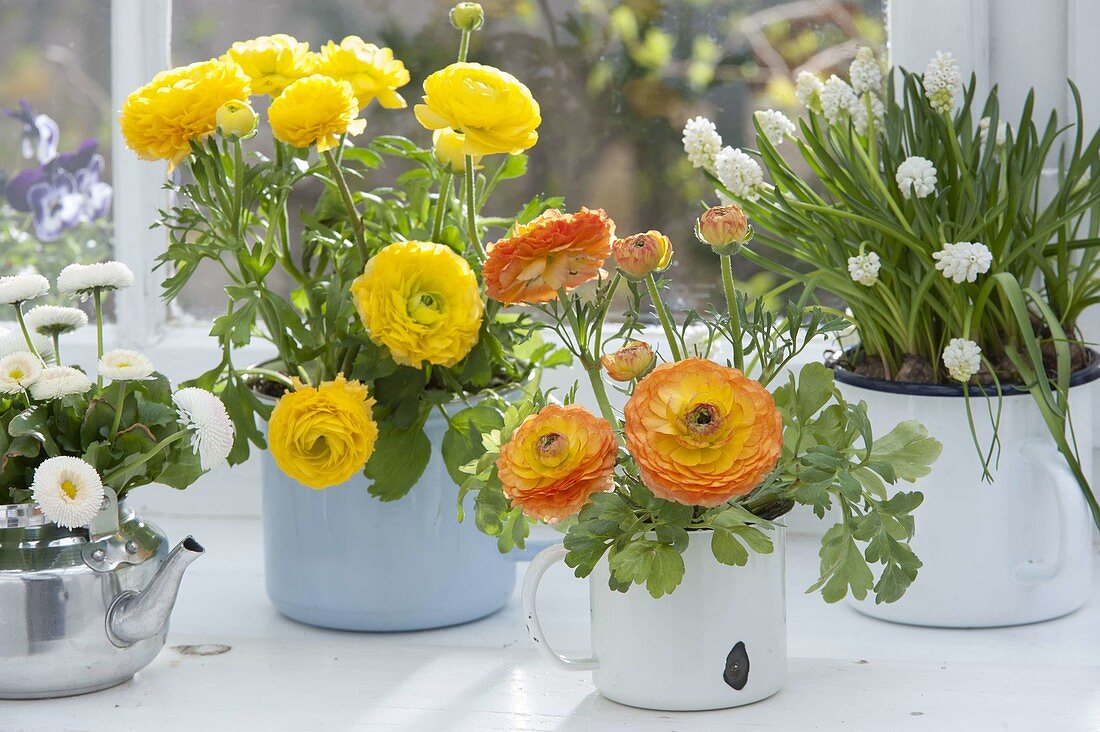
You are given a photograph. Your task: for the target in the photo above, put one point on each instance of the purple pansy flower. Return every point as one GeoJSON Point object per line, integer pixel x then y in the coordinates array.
{"type": "Point", "coordinates": [40, 133]}
{"type": "Point", "coordinates": [95, 193]}
{"type": "Point", "coordinates": [63, 192]}
{"type": "Point", "coordinates": [56, 204]}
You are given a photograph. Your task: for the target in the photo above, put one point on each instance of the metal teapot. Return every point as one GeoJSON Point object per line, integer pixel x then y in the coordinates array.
{"type": "Point", "coordinates": [83, 610]}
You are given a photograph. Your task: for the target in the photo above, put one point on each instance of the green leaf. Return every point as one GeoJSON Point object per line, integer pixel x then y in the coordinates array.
{"type": "Point", "coordinates": [727, 549]}
{"type": "Point", "coordinates": [908, 449]}
{"type": "Point", "coordinates": [462, 442]}
{"type": "Point", "coordinates": [399, 459]}
{"type": "Point", "coordinates": [657, 565]}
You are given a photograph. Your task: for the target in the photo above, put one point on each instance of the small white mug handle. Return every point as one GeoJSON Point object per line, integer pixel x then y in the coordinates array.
{"type": "Point", "coordinates": [1062, 482]}
{"type": "Point", "coordinates": [545, 559]}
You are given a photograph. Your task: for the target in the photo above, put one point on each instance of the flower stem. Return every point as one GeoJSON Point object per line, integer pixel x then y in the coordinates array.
{"type": "Point", "coordinates": [349, 203]}
{"type": "Point", "coordinates": [441, 205]}
{"type": "Point", "coordinates": [471, 209]}
{"type": "Point", "coordinates": [238, 194]}
{"type": "Point", "coordinates": [464, 45]}
{"type": "Point", "coordinates": [590, 364]}
{"type": "Point", "coordinates": [167, 441]}
{"type": "Point", "coordinates": [663, 316]}
{"type": "Point", "coordinates": [118, 409]}
{"type": "Point", "coordinates": [56, 348]}
{"type": "Point", "coordinates": [26, 333]}
{"type": "Point", "coordinates": [97, 298]}
{"type": "Point", "coordinates": [735, 313]}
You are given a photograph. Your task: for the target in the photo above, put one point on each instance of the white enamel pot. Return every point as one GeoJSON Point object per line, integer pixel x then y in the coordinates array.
{"type": "Point", "coordinates": [718, 641]}
{"type": "Point", "coordinates": [1013, 551]}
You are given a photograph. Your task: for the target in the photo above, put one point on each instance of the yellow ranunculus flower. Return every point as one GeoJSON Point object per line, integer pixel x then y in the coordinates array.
{"type": "Point", "coordinates": [373, 72]}
{"type": "Point", "coordinates": [315, 110]}
{"type": "Point", "coordinates": [448, 146]}
{"type": "Point", "coordinates": [237, 119]}
{"type": "Point", "coordinates": [421, 301]}
{"type": "Point", "coordinates": [160, 119]}
{"type": "Point", "coordinates": [322, 436]}
{"type": "Point", "coordinates": [272, 62]}
{"type": "Point", "coordinates": [495, 112]}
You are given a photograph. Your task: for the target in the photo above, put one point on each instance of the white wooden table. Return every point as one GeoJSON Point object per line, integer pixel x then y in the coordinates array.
{"type": "Point", "coordinates": [233, 663]}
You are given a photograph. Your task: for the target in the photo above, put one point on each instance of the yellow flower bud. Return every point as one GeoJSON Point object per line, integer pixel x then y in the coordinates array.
{"type": "Point", "coordinates": [724, 228]}
{"type": "Point", "coordinates": [467, 16]}
{"type": "Point", "coordinates": [447, 146]}
{"type": "Point", "coordinates": [642, 254]}
{"type": "Point", "coordinates": [633, 361]}
{"type": "Point", "coordinates": [236, 118]}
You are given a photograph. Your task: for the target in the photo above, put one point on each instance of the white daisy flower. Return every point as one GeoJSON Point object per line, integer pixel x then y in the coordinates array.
{"type": "Point", "coordinates": [808, 89]}
{"type": "Point", "coordinates": [15, 289]}
{"type": "Point", "coordinates": [865, 72]}
{"type": "Point", "coordinates": [56, 382]}
{"type": "Point", "coordinates": [838, 99]}
{"type": "Point", "coordinates": [916, 176]}
{"type": "Point", "coordinates": [962, 358]}
{"type": "Point", "coordinates": [775, 125]}
{"type": "Point", "coordinates": [211, 428]}
{"type": "Point", "coordinates": [963, 261]}
{"type": "Point", "coordinates": [702, 142]}
{"type": "Point", "coordinates": [942, 82]}
{"type": "Point", "coordinates": [739, 173]}
{"type": "Point", "coordinates": [51, 319]}
{"type": "Point", "coordinates": [68, 490]}
{"type": "Point", "coordinates": [18, 371]}
{"type": "Point", "coordinates": [863, 268]}
{"type": "Point", "coordinates": [983, 131]}
{"type": "Point", "coordinates": [14, 340]}
{"type": "Point", "coordinates": [123, 365]}
{"type": "Point", "coordinates": [82, 279]}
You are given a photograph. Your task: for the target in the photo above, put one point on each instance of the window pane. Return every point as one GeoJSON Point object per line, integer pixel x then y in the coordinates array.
{"type": "Point", "coordinates": [54, 135]}
{"type": "Point", "coordinates": [616, 82]}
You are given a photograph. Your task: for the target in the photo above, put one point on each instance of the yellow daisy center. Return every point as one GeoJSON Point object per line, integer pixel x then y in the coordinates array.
{"type": "Point", "coordinates": [16, 374]}
{"type": "Point", "coordinates": [69, 489]}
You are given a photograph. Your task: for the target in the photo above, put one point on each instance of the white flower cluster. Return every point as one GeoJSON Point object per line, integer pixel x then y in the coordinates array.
{"type": "Point", "coordinates": [863, 268]}
{"type": "Point", "coordinates": [865, 72]}
{"type": "Point", "coordinates": [916, 176]}
{"type": "Point", "coordinates": [69, 491]}
{"type": "Point", "coordinates": [18, 371]}
{"type": "Point", "coordinates": [739, 173]}
{"type": "Point", "coordinates": [14, 340]}
{"type": "Point", "coordinates": [942, 82]}
{"type": "Point", "coordinates": [963, 261]}
{"type": "Point", "coordinates": [124, 365]}
{"type": "Point", "coordinates": [775, 125]}
{"type": "Point", "coordinates": [983, 132]}
{"type": "Point", "coordinates": [702, 143]}
{"type": "Point", "coordinates": [58, 382]}
{"type": "Point", "coordinates": [808, 89]}
{"type": "Point", "coordinates": [83, 279]}
{"type": "Point", "coordinates": [837, 99]}
{"type": "Point", "coordinates": [16, 289]}
{"type": "Point", "coordinates": [963, 359]}
{"type": "Point", "coordinates": [50, 320]}
{"type": "Point", "coordinates": [211, 428]}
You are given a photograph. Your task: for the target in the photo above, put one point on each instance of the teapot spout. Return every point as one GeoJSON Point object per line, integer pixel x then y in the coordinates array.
{"type": "Point", "coordinates": [135, 616]}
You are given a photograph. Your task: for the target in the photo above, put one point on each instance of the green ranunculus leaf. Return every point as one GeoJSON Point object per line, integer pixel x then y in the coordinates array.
{"type": "Point", "coordinates": [909, 449]}
{"type": "Point", "coordinates": [645, 561]}
{"type": "Point", "coordinates": [399, 459]}
{"type": "Point", "coordinates": [462, 442]}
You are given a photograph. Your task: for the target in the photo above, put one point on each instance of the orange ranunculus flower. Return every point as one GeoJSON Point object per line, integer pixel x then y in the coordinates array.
{"type": "Point", "coordinates": [633, 361]}
{"type": "Point", "coordinates": [556, 460]}
{"type": "Point", "coordinates": [641, 255]}
{"type": "Point", "coordinates": [555, 250]}
{"type": "Point", "coordinates": [701, 432]}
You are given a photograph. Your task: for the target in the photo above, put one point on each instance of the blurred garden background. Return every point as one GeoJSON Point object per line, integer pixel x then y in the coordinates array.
{"type": "Point", "coordinates": [616, 82]}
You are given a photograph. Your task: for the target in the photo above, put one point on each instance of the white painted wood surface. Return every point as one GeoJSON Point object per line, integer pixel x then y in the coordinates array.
{"type": "Point", "coordinates": [847, 672]}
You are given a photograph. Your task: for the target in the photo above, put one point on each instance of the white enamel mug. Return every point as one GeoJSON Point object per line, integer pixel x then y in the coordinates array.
{"type": "Point", "coordinates": [718, 641]}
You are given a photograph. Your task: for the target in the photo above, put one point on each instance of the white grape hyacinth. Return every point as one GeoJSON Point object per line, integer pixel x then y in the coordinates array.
{"type": "Point", "coordinates": [916, 176]}
{"type": "Point", "coordinates": [838, 99]}
{"type": "Point", "coordinates": [54, 319]}
{"type": "Point", "coordinates": [57, 382]}
{"type": "Point", "coordinates": [83, 279]}
{"type": "Point", "coordinates": [739, 173]}
{"type": "Point", "coordinates": [696, 337]}
{"type": "Point", "coordinates": [865, 72]}
{"type": "Point", "coordinates": [963, 261]}
{"type": "Point", "coordinates": [18, 371]}
{"type": "Point", "coordinates": [15, 289]}
{"type": "Point", "coordinates": [808, 88]}
{"type": "Point", "coordinates": [702, 143]}
{"type": "Point", "coordinates": [14, 340]}
{"type": "Point", "coordinates": [125, 365]}
{"type": "Point", "coordinates": [211, 428]}
{"type": "Point", "coordinates": [775, 125]}
{"type": "Point", "coordinates": [983, 132]}
{"type": "Point", "coordinates": [68, 490]}
{"type": "Point", "coordinates": [963, 359]}
{"type": "Point", "coordinates": [942, 82]}
{"type": "Point", "coordinates": [863, 268]}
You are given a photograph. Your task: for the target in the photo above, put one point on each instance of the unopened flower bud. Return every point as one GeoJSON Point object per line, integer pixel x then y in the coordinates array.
{"type": "Point", "coordinates": [633, 361]}
{"type": "Point", "coordinates": [447, 146]}
{"type": "Point", "coordinates": [236, 119]}
{"type": "Point", "coordinates": [641, 255]}
{"type": "Point", "coordinates": [467, 16]}
{"type": "Point", "coordinates": [724, 228]}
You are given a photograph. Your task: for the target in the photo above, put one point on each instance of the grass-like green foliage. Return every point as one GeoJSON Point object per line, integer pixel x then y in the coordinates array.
{"type": "Point", "coordinates": [1030, 198]}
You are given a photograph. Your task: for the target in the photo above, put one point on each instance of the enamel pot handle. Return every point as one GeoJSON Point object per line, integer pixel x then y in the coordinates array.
{"type": "Point", "coordinates": [542, 562]}
{"type": "Point", "coordinates": [1062, 482]}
